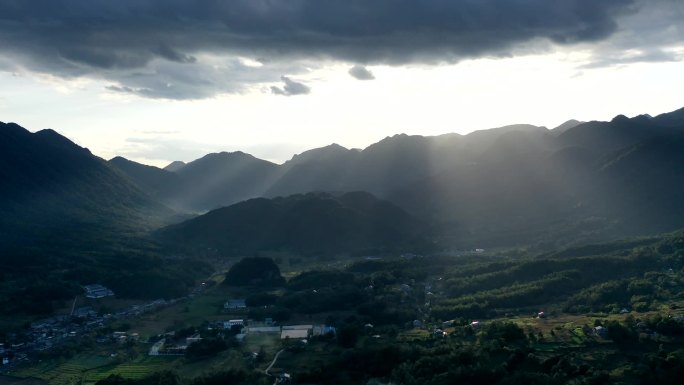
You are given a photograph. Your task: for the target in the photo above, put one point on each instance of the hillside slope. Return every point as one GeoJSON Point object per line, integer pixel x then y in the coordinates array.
{"type": "Point", "coordinates": [67, 218]}
{"type": "Point", "coordinates": [314, 223]}
{"type": "Point", "coordinates": [56, 192]}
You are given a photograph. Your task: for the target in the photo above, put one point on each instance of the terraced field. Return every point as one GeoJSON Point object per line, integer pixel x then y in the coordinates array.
{"type": "Point", "coordinates": [136, 369]}
{"type": "Point", "coordinates": [65, 373]}
{"type": "Point", "coordinates": [82, 370]}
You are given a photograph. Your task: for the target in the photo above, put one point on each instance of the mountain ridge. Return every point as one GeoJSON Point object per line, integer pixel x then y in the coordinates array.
{"type": "Point", "coordinates": [476, 187]}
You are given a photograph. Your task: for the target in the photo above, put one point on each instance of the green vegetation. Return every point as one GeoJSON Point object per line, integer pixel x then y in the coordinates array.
{"type": "Point", "coordinates": [169, 378]}
{"type": "Point", "coordinates": [67, 219]}
{"type": "Point", "coordinates": [254, 271]}
{"type": "Point", "coordinates": [613, 314]}
{"type": "Point", "coordinates": [90, 368]}
{"type": "Point", "coordinates": [135, 369]}
{"type": "Point", "coordinates": [311, 224]}
{"type": "Point", "coordinates": [38, 285]}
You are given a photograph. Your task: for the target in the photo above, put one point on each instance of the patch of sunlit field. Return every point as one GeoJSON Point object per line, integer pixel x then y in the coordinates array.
{"type": "Point", "coordinates": [413, 335]}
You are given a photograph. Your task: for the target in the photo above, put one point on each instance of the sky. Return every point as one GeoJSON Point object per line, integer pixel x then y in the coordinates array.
{"type": "Point", "coordinates": [162, 80]}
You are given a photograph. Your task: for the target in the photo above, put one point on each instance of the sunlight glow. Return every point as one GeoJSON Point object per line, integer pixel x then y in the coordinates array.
{"type": "Point", "coordinates": [543, 90]}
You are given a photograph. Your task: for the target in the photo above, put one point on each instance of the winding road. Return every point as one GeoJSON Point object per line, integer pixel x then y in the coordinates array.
{"type": "Point", "coordinates": [273, 362]}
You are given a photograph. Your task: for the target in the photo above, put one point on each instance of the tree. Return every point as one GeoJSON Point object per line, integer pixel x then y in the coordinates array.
{"type": "Point", "coordinates": [254, 271]}
{"type": "Point", "coordinates": [205, 348]}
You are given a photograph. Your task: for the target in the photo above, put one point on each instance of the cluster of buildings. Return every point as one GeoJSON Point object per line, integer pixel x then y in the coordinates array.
{"type": "Point", "coordinates": [242, 329]}
{"type": "Point", "coordinates": [268, 326]}
{"type": "Point", "coordinates": [295, 332]}
{"type": "Point", "coordinates": [50, 333]}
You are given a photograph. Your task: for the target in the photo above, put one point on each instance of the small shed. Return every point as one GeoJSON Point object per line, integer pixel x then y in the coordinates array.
{"type": "Point", "coordinates": [235, 304]}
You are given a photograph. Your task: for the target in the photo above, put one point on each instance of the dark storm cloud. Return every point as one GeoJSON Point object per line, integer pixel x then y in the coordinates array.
{"type": "Point", "coordinates": [361, 73]}
{"type": "Point", "coordinates": [126, 33]}
{"type": "Point", "coordinates": [290, 88]}
{"type": "Point", "coordinates": [158, 48]}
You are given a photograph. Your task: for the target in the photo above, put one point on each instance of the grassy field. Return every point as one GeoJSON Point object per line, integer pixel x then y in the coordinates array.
{"type": "Point", "coordinates": [193, 312]}
{"type": "Point", "coordinates": [303, 357]}
{"type": "Point", "coordinates": [570, 322]}
{"type": "Point", "coordinates": [413, 335]}
{"type": "Point", "coordinates": [225, 360]}
{"type": "Point", "coordinates": [270, 342]}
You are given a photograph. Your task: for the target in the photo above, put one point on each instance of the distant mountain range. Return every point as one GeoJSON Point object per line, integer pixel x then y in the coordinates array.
{"type": "Point", "coordinates": [212, 181]}
{"type": "Point", "coordinates": [514, 185]}
{"type": "Point", "coordinates": [509, 185]}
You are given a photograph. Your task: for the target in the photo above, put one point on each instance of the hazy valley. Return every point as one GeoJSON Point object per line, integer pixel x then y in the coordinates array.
{"type": "Point", "coordinates": [509, 247]}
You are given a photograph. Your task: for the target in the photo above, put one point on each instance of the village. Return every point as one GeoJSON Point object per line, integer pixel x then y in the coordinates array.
{"type": "Point", "coordinates": [51, 333]}
{"type": "Point", "coordinates": [85, 323]}
{"type": "Point", "coordinates": [173, 328]}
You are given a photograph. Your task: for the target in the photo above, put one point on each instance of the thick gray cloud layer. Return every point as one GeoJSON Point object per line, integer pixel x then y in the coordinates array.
{"type": "Point", "coordinates": [361, 73]}
{"type": "Point", "coordinates": [158, 48]}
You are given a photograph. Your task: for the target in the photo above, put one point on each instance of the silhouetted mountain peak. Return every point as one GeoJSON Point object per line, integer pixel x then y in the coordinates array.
{"type": "Point", "coordinates": [54, 138]}
{"type": "Point", "coordinates": [397, 142]}
{"type": "Point", "coordinates": [334, 147]}
{"type": "Point", "coordinates": [566, 126]}
{"type": "Point", "coordinates": [13, 128]}
{"type": "Point", "coordinates": [175, 166]}
{"type": "Point", "coordinates": [228, 155]}
{"type": "Point", "coordinates": [222, 161]}
{"type": "Point", "coordinates": [620, 119]}
{"type": "Point", "coordinates": [225, 156]}
{"type": "Point", "coordinates": [317, 154]}
{"type": "Point", "coordinates": [509, 128]}
{"type": "Point", "coordinates": [119, 160]}
{"type": "Point", "coordinates": [401, 137]}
